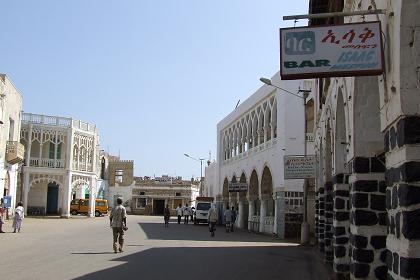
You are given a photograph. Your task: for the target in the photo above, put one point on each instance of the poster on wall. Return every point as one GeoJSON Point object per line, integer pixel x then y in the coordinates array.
{"type": "Point", "coordinates": [299, 167]}
{"type": "Point", "coordinates": [353, 49]}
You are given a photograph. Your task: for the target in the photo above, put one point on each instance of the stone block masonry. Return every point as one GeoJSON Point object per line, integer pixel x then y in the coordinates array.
{"type": "Point", "coordinates": [341, 224]}
{"type": "Point", "coordinates": [329, 230]}
{"type": "Point", "coordinates": [320, 219]}
{"type": "Point", "coordinates": [368, 223]}
{"type": "Point", "coordinates": [403, 198]}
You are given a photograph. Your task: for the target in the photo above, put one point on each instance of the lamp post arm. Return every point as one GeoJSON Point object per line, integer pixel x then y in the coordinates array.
{"type": "Point", "coordinates": [289, 92]}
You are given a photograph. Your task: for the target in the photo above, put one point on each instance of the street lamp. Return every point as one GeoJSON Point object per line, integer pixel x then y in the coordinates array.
{"type": "Point", "coordinates": [201, 171]}
{"type": "Point", "coordinates": [304, 230]}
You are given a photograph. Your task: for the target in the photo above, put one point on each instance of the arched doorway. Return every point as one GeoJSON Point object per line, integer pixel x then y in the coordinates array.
{"type": "Point", "coordinates": [52, 198]}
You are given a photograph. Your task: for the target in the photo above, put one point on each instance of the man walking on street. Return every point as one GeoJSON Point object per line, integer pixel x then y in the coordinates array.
{"type": "Point", "coordinates": [212, 219]}
{"type": "Point", "coordinates": [179, 213]}
{"type": "Point", "coordinates": [118, 222]}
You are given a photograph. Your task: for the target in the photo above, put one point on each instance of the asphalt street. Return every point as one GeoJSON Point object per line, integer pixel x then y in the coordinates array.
{"type": "Point", "coordinates": [81, 248]}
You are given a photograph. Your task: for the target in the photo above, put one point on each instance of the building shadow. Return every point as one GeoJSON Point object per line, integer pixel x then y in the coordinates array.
{"type": "Point", "coordinates": [201, 232]}
{"type": "Point", "coordinates": [233, 263]}
{"type": "Point", "coordinates": [92, 253]}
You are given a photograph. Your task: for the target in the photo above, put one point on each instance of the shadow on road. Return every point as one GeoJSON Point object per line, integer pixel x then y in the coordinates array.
{"type": "Point", "coordinates": [200, 233]}
{"type": "Point", "coordinates": [93, 253]}
{"type": "Point", "coordinates": [270, 262]}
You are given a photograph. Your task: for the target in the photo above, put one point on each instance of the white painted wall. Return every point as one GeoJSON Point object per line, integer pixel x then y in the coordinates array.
{"type": "Point", "coordinates": [10, 109]}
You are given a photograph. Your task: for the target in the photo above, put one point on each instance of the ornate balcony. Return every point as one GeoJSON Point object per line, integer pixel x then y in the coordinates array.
{"type": "Point", "coordinates": [15, 152]}
{"type": "Point", "coordinates": [46, 162]}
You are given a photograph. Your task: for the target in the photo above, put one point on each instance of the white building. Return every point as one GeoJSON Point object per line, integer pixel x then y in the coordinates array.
{"type": "Point", "coordinates": [11, 151]}
{"type": "Point", "coordinates": [61, 163]}
{"type": "Point", "coordinates": [251, 144]}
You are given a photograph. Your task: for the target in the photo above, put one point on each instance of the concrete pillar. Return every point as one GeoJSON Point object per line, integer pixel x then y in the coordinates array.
{"type": "Point", "coordinates": [91, 198]}
{"type": "Point", "coordinates": [251, 211]}
{"type": "Point", "coordinates": [241, 218]}
{"type": "Point", "coordinates": [263, 213]}
{"type": "Point", "coordinates": [25, 190]}
{"type": "Point", "coordinates": [66, 197]}
{"type": "Point", "coordinates": [279, 214]}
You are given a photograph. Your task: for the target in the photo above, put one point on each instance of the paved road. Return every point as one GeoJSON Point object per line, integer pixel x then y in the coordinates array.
{"type": "Point", "coordinates": [81, 248]}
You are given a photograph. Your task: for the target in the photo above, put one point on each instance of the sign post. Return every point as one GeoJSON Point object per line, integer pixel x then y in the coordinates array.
{"type": "Point", "coordinates": [353, 49]}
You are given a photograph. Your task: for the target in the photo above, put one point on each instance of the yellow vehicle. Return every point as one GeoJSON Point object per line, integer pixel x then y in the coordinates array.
{"type": "Point", "coordinates": [81, 206]}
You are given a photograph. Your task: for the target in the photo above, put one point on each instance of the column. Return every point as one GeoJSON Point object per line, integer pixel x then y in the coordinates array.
{"type": "Point", "coordinates": [91, 198]}
{"type": "Point", "coordinates": [263, 213]}
{"type": "Point", "coordinates": [25, 189]}
{"type": "Point", "coordinates": [341, 224]}
{"type": "Point", "coordinates": [272, 126]}
{"type": "Point", "coordinates": [320, 212]}
{"type": "Point", "coordinates": [41, 144]}
{"type": "Point", "coordinates": [402, 141]}
{"type": "Point", "coordinates": [66, 197]}
{"type": "Point", "coordinates": [56, 149]}
{"type": "Point", "coordinates": [241, 218]}
{"type": "Point", "coordinates": [328, 230]}
{"type": "Point", "coordinates": [279, 214]}
{"type": "Point", "coordinates": [259, 138]}
{"type": "Point", "coordinates": [28, 148]}
{"type": "Point", "coordinates": [368, 219]}
{"type": "Point", "coordinates": [251, 211]}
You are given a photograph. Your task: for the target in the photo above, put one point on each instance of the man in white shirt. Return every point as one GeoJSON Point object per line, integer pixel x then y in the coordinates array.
{"type": "Point", "coordinates": [187, 213]}
{"type": "Point", "coordinates": [179, 213]}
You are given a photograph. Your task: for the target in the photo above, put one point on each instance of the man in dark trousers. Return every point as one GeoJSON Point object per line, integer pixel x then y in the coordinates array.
{"type": "Point", "coordinates": [118, 222]}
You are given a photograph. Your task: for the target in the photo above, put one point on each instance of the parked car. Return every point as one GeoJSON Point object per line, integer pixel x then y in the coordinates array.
{"type": "Point", "coordinates": [81, 206]}
{"type": "Point", "coordinates": [202, 207]}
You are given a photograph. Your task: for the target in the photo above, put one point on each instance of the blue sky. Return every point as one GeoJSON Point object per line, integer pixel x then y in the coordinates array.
{"type": "Point", "coordinates": [155, 76]}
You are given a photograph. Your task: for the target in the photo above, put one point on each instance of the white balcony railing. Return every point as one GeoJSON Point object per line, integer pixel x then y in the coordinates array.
{"type": "Point", "coordinates": [46, 162]}
{"type": "Point", "coordinates": [47, 120]}
{"type": "Point", "coordinates": [57, 121]}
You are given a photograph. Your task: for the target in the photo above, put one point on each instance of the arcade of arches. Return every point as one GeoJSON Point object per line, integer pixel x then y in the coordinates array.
{"type": "Point", "coordinates": [256, 207]}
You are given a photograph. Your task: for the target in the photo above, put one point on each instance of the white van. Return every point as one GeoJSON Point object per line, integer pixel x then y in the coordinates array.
{"type": "Point", "coordinates": [201, 211]}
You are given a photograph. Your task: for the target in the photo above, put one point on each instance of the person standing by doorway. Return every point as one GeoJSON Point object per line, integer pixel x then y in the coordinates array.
{"type": "Point", "coordinates": [118, 222]}
{"type": "Point", "coordinates": [18, 217]}
{"type": "Point", "coordinates": [179, 211]}
{"type": "Point", "coordinates": [166, 215]}
{"type": "Point", "coordinates": [187, 213]}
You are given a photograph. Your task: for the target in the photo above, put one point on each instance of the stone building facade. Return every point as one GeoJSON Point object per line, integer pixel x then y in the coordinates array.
{"type": "Point", "coordinates": [11, 151]}
{"type": "Point", "coordinates": [145, 195]}
{"type": "Point", "coordinates": [61, 163]}
{"type": "Point", "coordinates": [149, 197]}
{"type": "Point", "coordinates": [367, 145]}
{"type": "Point", "coordinates": [251, 144]}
